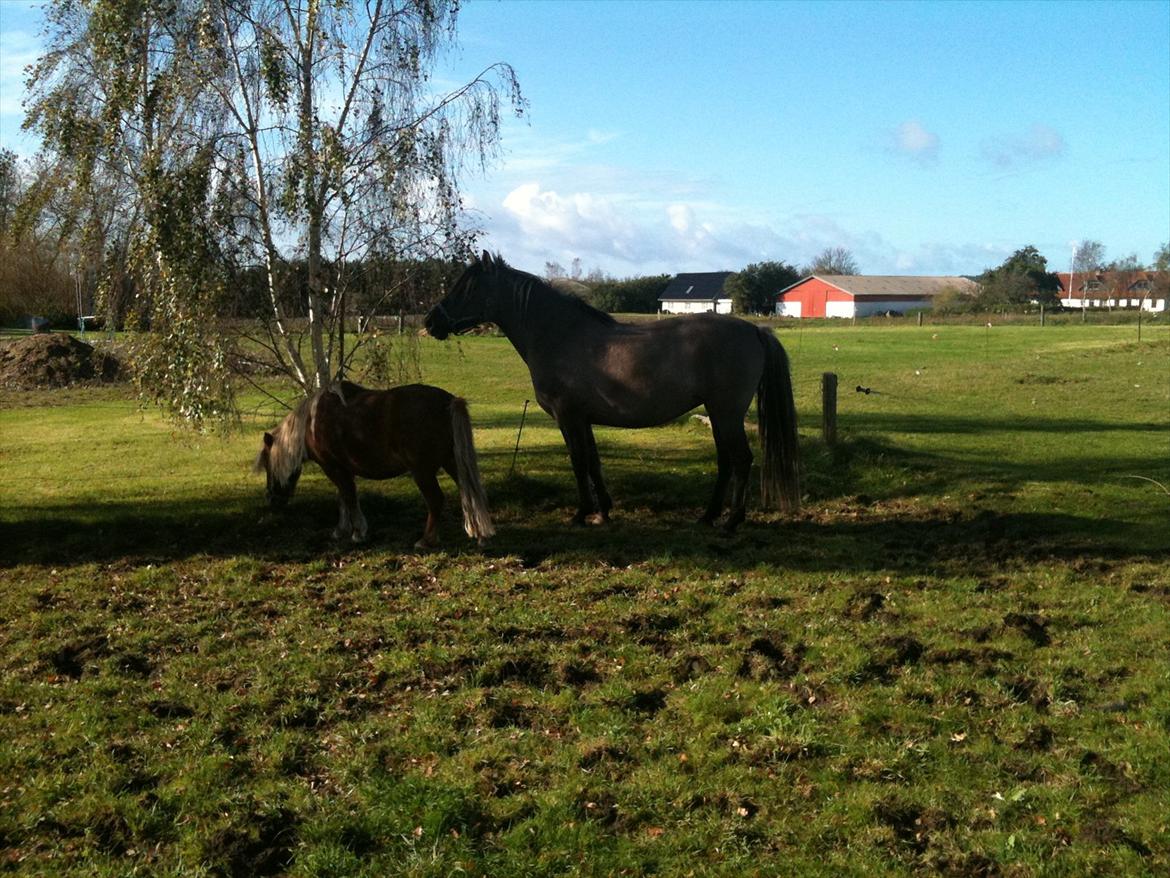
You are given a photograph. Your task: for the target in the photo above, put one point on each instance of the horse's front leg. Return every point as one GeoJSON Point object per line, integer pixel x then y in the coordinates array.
{"type": "Point", "coordinates": [604, 501]}
{"type": "Point", "coordinates": [576, 439]}
{"type": "Point", "coordinates": [351, 521]}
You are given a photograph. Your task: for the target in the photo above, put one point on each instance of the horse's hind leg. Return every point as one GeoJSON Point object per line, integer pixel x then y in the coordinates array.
{"type": "Point", "coordinates": [432, 495]}
{"type": "Point", "coordinates": [722, 477]}
{"type": "Point", "coordinates": [740, 454]}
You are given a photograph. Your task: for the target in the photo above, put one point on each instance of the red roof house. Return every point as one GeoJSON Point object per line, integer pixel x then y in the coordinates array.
{"type": "Point", "coordinates": [1112, 289]}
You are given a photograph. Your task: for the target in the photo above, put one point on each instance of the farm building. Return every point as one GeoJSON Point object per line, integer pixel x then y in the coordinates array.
{"type": "Point", "coordinates": [837, 295]}
{"type": "Point", "coordinates": [1112, 289]}
{"type": "Point", "coordinates": [696, 293]}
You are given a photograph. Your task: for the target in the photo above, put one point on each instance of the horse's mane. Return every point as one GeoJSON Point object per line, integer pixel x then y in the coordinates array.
{"type": "Point", "coordinates": [525, 284]}
{"type": "Point", "coordinates": [287, 452]}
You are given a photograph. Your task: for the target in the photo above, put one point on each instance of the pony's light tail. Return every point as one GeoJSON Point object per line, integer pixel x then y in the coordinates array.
{"type": "Point", "coordinates": [780, 473]}
{"type": "Point", "coordinates": [477, 521]}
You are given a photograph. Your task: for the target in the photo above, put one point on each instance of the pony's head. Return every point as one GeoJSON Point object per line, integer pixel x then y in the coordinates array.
{"type": "Point", "coordinates": [471, 300]}
{"type": "Point", "coordinates": [282, 456]}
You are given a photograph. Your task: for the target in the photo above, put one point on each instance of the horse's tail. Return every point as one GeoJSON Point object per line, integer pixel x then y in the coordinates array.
{"type": "Point", "coordinates": [780, 474]}
{"type": "Point", "coordinates": [477, 521]}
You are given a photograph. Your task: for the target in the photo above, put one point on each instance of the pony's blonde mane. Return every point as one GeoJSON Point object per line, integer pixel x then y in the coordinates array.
{"type": "Point", "coordinates": [287, 453]}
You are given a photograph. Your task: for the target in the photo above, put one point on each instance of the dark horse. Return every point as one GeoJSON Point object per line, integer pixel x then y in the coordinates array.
{"type": "Point", "coordinates": [588, 368]}
{"type": "Point", "coordinates": [378, 434]}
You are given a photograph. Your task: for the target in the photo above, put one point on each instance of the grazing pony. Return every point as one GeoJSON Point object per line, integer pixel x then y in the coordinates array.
{"type": "Point", "coordinates": [587, 368]}
{"type": "Point", "coordinates": [379, 434]}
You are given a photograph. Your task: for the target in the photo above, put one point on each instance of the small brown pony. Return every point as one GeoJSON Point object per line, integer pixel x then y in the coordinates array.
{"type": "Point", "coordinates": [379, 434]}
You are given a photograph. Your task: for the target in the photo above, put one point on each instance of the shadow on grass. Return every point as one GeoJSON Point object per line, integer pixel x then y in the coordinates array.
{"type": "Point", "coordinates": [876, 422]}
{"type": "Point", "coordinates": [870, 505]}
{"type": "Point", "coordinates": [858, 536]}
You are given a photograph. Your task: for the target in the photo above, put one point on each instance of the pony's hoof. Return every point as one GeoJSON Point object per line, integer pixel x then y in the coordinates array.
{"type": "Point", "coordinates": [356, 537]}
{"type": "Point", "coordinates": [597, 518]}
{"type": "Point", "coordinates": [706, 521]}
{"type": "Point", "coordinates": [425, 545]}
{"type": "Point", "coordinates": [340, 534]}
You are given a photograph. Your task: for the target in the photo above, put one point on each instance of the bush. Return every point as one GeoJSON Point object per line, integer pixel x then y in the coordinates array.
{"type": "Point", "coordinates": [637, 295]}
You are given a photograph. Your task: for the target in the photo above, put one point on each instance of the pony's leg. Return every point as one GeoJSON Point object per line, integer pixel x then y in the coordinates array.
{"type": "Point", "coordinates": [604, 502]}
{"type": "Point", "coordinates": [344, 527]}
{"type": "Point", "coordinates": [360, 526]}
{"type": "Point", "coordinates": [351, 523]}
{"type": "Point", "coordinates": [723, 462]}
{"type": "Point", "coordinates": [575, 439]}
{"type": "Point", "coordinates": [740, 454]}
{"type": "Point", "coordinates": [432, 495]}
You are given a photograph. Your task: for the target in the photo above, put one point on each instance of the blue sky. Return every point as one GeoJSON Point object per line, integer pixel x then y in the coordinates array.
{"type": "Point", "coordinates": [927, 138]}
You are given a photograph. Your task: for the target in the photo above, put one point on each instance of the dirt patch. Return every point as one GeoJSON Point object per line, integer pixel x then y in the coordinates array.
{"type": "Point", "coordinates": [55, 360]}
{"type": "Point", "coordinates": [891, 653]}
{"type": "Point", "coordinates": [1031, 626]}
{"type": "Point", "coordinates": [73, 658]}
{"type": "Point", "coordinates": [769, 660]}
{"type": "Point", "coordinates": [261, 844]}
{"type": "Point", "coordinates": [863, 605]}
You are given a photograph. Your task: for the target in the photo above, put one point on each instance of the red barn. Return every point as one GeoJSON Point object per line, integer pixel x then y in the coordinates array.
{"type": "Point", "coordinates": [839, 295]}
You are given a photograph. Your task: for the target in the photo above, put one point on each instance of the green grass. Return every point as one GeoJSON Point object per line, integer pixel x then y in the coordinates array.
{"type": "Point", "coordinates": [954, 660]}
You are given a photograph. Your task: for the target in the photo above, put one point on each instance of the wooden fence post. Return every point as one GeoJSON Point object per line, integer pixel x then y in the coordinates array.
{"type": "Point", "coordinates": [829, 407]}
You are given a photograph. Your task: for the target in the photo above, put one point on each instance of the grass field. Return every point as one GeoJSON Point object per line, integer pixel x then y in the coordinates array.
{"type": "Point", "coordinates": [955, 660]}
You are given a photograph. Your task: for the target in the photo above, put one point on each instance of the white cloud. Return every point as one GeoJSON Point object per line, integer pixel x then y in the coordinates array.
{"type": "Point", "coordinates": [913, 140]}
{"type": "Point", "coordinates": [1037, 144]}
{"type": "Point", "coordinates": [550, 201]}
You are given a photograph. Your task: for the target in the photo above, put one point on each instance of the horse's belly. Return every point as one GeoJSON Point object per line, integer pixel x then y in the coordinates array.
{"type": "Point", "coordinates": [639, 412]}
{"type": "Point", "coordinates": [379, 474]}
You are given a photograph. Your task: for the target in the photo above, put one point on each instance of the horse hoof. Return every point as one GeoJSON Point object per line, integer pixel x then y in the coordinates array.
{"type": "Point", "coordinates": [706, 521]}
{"type": "Point", "coordinates": [597, 518]}
{"type": "Point", "coordinates": [424, 545]}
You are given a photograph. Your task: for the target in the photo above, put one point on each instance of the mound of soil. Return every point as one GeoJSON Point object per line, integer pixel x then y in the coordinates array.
{"type": "Point", "coordinates": [54, 360]}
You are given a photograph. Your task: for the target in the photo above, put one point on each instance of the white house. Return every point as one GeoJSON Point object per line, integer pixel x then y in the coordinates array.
{"type": "Point", "coordinates": [696, 293]}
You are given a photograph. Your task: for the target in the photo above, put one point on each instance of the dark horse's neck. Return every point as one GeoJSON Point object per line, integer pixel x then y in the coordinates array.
{"type": "Point", "coordinates": [530, 311]}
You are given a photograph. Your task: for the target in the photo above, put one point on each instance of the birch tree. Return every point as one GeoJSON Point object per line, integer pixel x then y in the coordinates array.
{"type": "Point", "coordinates": [288, 134]}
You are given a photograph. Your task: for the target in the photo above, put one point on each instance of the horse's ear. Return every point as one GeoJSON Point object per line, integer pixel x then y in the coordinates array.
{"type": "Point", "coordinates": [268, 440]}
{"type": "Point", "coordinates": [486, 259]}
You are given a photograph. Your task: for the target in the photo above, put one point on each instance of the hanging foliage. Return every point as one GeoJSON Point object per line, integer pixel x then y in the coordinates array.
{"type": "Point", "coordinates": [303, 140]}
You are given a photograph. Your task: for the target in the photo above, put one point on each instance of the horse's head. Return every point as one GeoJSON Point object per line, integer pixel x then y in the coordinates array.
{"type": "Point", "coordinates": [470, 302]}
{"type": "Point", "coordinates": [278, 491]}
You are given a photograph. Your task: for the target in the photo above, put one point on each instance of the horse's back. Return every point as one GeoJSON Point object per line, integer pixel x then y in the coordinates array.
{"type": "Point", "coordinates": [380, 434]}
